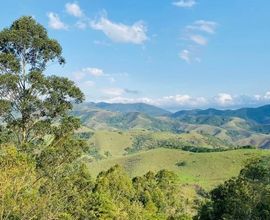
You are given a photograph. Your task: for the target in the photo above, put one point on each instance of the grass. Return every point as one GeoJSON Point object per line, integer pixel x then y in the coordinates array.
{"type": "Point", "coordinates": [204, 169]}
{"type": "Point", "coordinates": [113, 142]}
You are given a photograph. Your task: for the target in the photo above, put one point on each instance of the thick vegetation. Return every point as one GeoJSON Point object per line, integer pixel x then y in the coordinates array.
{"type": "Point", "coordinates": [244, 197]}
{"type": "Point", "coordinates": [69, 192]}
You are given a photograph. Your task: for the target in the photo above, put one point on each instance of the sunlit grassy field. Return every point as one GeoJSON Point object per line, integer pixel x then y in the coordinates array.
{"type": "Point", "coordinates": [204, 169]}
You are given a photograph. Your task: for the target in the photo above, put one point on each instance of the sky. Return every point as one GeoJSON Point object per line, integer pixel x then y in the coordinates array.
{"type": "Point", "coordinates": [175, 54]}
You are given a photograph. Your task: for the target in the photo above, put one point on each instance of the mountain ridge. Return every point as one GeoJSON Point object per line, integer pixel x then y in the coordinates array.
{"type": "Point", "coordinates": [246, 126]}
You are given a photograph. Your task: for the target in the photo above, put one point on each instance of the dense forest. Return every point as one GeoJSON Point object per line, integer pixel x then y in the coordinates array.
{"type": "Point", "coordinates": [43, 174]}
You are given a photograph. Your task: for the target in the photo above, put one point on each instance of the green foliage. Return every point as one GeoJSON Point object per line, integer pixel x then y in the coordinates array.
{"type": "Point", "coordinates": [181, 163]}
{"type": "Point", "coordinates": [30, 102]}
{"type": "Point", "coordinates": [245, 197]}
{"type": "Point", "coordinates": [18, 197]}
{"type": "Point", "coordinates": [147, 141]}
{"type": "Point", "coordinates": [69, 192]}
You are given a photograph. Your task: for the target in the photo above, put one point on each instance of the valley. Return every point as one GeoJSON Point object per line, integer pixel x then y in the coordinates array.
{"type": "Point", "coordinates": [203, 147]}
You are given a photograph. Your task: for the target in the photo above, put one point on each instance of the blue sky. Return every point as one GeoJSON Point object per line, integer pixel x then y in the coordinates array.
{"type": "Point", "coordinates": [177, 54]}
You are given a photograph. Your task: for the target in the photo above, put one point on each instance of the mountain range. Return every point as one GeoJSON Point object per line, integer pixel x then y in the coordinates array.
{"type": "Point", "coordinates": [241, 127]}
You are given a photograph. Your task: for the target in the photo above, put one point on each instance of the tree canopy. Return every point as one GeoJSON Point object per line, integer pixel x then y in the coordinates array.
{"type": "Point", "coordinates": [31, 102]}
{"type": "Point", "coordinates": [244, 197]}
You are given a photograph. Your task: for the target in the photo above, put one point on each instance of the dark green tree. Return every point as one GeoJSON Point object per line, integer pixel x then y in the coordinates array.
{"type": "Point", "coordinates": [241, 198]}
{"type": "Point", "coordinates": [31, 103]}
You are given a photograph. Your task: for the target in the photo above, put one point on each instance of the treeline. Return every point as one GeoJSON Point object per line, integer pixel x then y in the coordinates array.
{"type": "Point", "coordinates": [147, 142]}
{"type": "Point", "coordinates": [31, 190]}
{"type": "Point", "coordinates": [69, 192]}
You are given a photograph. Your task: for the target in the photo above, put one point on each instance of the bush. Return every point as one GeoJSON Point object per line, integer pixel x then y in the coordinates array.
{"type": "Point", "coordinates": [181, 163]}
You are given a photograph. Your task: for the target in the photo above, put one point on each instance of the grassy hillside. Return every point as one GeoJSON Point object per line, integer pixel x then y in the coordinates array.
{"type": "Point", "coordinates": [114, 143]}
{"type": "Point", "coordinates": [204, 169]}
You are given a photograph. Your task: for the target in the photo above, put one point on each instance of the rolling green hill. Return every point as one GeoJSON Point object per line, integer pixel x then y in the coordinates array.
{"type": "Point", "coordinates": [204, 169]}
{"type": "Point", "coordinates": [235, 127]}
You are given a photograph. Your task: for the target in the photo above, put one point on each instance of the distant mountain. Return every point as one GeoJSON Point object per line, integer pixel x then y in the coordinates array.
{"type": "Point", "coordinates": [247, 126]}
{"type": "Point", "coordinates": [259, 115]}
{"type": "Point", "coordinates": [136, 107]}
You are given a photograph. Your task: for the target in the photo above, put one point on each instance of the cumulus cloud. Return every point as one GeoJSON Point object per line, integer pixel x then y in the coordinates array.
{"type": "Point", "coordinates": [224, 99]}
{"type": "Point", "coordinates": [169, 102]}
{"type": "Point", "coordinates": [121, 33]}
{"type": "Point", "coordinates": [181, 100]}
{"type": "Point", "coordinates": [93, 71]}
{"type": "Point", "coordinates": [74, 9]}
{"type": "Point", "coordinates": [99, 74]}
{"type": "Point", "coordinates": [185, 3]}
{"type": "Point", "coordinates": [55, 22]}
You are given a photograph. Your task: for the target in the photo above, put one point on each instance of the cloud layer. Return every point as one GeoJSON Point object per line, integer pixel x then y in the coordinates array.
{"type": "Point", "coordinates": [178, 102]}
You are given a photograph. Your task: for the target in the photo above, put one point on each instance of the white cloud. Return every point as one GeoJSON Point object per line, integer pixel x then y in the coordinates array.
{"type": "Point", "coordinates": [169, 102]}
{"type": "Point", "coordinates": [204, 26]}
{"type": "Point", "coordinates": [121, 33]}
{"type": "Point", "coordinates": [74, 10]}
{"type": "Point", "coordinates": [86, 73]}
{"type": "Point", "coordinates": [185, 55]}
{"type": "Point", "coordinates": [264, 97]}
{"type": "Point", "coordinates": [192, 36]}
{"type": "Point", "coordinates": [185, 101]}
{"type": "Point", "coordinates": [182, 100]}
{"type": "Point", "coordinates": [93, 71]}
{"type": "Point", "coordinates": [185, 3]}
{"type": "Point", "coordinates": [267, 95]}
{"type": "Point", "coordinates": [55, 22]}
{"type": "Point", "coordinates": [224, 99]}
{"type": "Point", "coordinates": [198, 39]}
